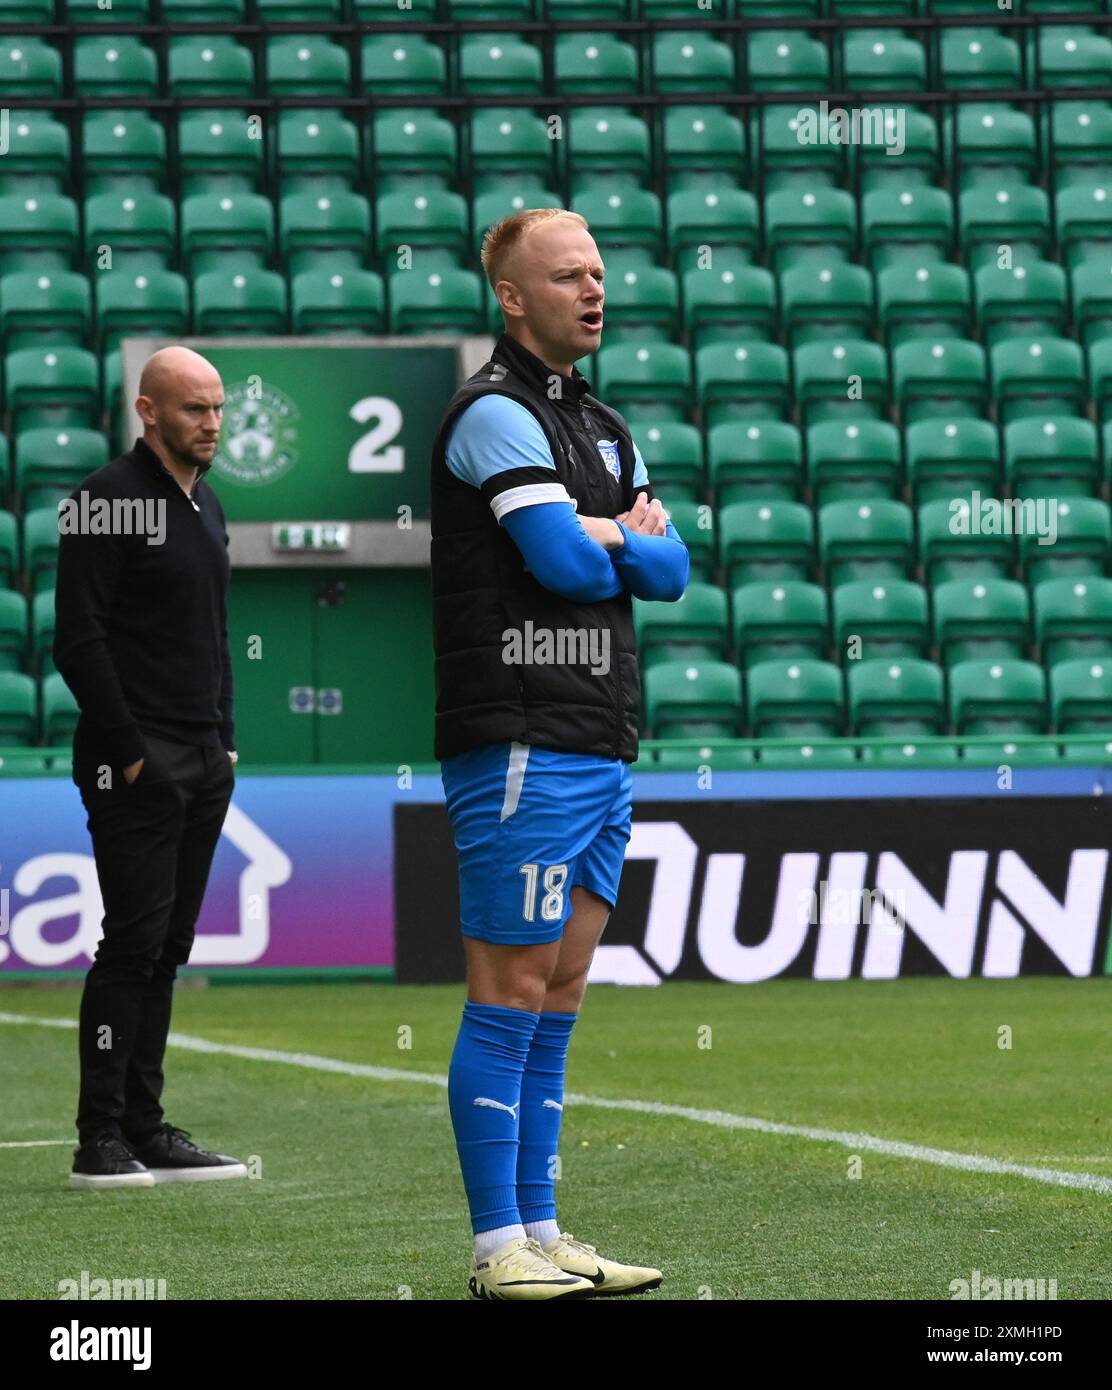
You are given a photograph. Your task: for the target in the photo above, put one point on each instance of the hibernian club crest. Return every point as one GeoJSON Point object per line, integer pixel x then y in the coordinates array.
{"type": "Point", "coordinates": [257, 443]}
{"type": "Point", "coordinates": [608, 448]}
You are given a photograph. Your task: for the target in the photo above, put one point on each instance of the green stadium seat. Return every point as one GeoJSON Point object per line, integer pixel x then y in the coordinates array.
{"type": "Point", "coordinates": [1081, 696]}
{"type": "Point", "coordinates": [114, 65]}
{"type": "Point", "coordinates": [755, 461]}
{"type": "Point", "coordinates": [41, 305]}
{"type": "Point", "coordinates": [320, 148]}
{"type": "Point", "coordinates": [595, 64]}
{"type": "Point", "coordinates": [204, 11]}
{"type": "Point", "coordinates": [693, 699]}
{"type": "Point", "coordinates": [1081, 141]}
{"type": "Point", "coordinates": [324, 230]}
{"type": "Point", "coordinates": [901, 224]}
{"type": "Point", "coordinates": [245, 300]}
{"type": "Point", "coordinates": [694, 628]}
{"type": "Point", "coordinates": [29, 69]}
{"type": "Point", "coordinates": [1006, 753]}
{"type": "Point", "coordinates": [956, 542]}
{"type": "Point", "coordinates": [704, 148]}
{"type": "Point", "coordinates": [696, 524]}
{"type": "Point", "coordinates": [144, 303]}
{"type": "Point", "coordinates": [1052, 458]}
{"type": "Point", "coordinates": [856, 459]}
{"type": "Point", "coordinates": [747, 382]}
{"type": "Point", "coordinates": [40, 547]}
{"type": "Point", "coordinates": [979, 59]}
{"type": "Point", "coordinates": [996, 147]}
{"type": "Point", "coordinates": [939, 377]}
{"type": "Point", "coordinates": [642, 305]}
{"type": "Point", "coordinates": [467, 11]}
{"type": "Point", "coordinates": [990, 217]}
{"type": "Point", "coordinates": [866, 540]}
{"type": "Point", "coordinates": [38, 157]}
{"type": "Point", "coordinates": [131, 231]}
{"type": "Point", "coordinates": [299, 11]}
{"type": "Point", "coordinates": [816, 224]}
{"type": "Point", "coordinates": [122, 11]}
{"type": "Point", "coordinates": [493, 65]}
{"type": "Point", "coordinates": [654, 379]}
{"type": "Point", "coordinates": [1073, 619]}
{"type": "Point", "coordinates": [719, 759]}
{"type": "Point", "coordinates": [780, 620]}
{"type": "Point", "coordinates": [432, 224]}
{"type": "Point", "coordinates": [875, 618]}
{"type": "Point", "coordinates": [1035, 377]}
{"type": "Point", "coordinates": [603, 148]}
{"type": "Point", "coordinates": [218, 153]}
{"type": "Point", "coordinates": [1068, 58]}
{"type": "Point", "coordinates": [918, 163]}
{"type": "Point", "coordinates": [762, 541]}
{"type": "Point", "coordinates": [826, 301]}
{"type": "Point", "coordinates": [884, 61]}
{"type": "Point", "coordinates": [1082, 542]}
{"type": "Point", "coordinates": [49, 463]}
{"type": "Point", "coordinates": [949, 458]}
{"type": "Point", "coordinates": [60, 711]}
{"type": "Point", "coordinates": [795, 699]}
{"type": "Point", "coordinates": [588, 11]}
{"type": "Point", "coordinates": [410, 65]}
{"type": "Point", "coordinates": [722, 220]}
{"type": "Point", "coordinates": [37, 231]}
{"type": "Point", "coordinates": [998, 697]}
{"type": "Point", "coordinates": [673, 455]}
{"type": "Point", "coordinates": [306, 65]}
{"type": "Point", "coordinates": [1083, 215]}
{"type": "Point", "coordinates": [896, 697]}
{"type": "Point", "coordinates": [9, 549]}
{"type": "Point", "coordinates": [1027, 299]}
{"type": "Point", "coordinates": [51, 385]}
{"type": "Point", "coordinates": [18, 708]}
{"type": "Point", "coordinates": [779, 145]}
{"type": "Point", "coordinates": [927, 301]}
{"type": "Point", "coordinates": [975, 619]}
{"type": "Point", "coordinates": [506, 143]}
{"type": "Point", "coordinates": [1100, 377]}
{"type": "Point", "coordinates": [224, 231]}
{"type": "Point", "coordinates": [379, 11]}
{"type": "Point", "coordinates": [691, 61]}
{"type": "Point", "coordinates": [724, 305]}
{"type": "Point", "coordinates": [929, 754]}
{"type": "Point", "coordinates": [787, 60]}
{"type": "Point", "coordinates": [807, 755]}
{"type": "Point", "coordinates": [14, 631]}
{"type": "Point", "coordinates": [122, 150]}
{"type": "Point", "coordinates": [202, 65]}
{"type": "Point", "coordinates": [625, 223]}
{"type": "Point", "coordinates": [446, 300]}
{"type": "Point", "coordinates": [1092, 300]}
{"type": "Point", "coordinates": [840, 379]}
{"type": "Point", "coordinates": [337, 301]}
{"type": "Point", "coordinates": [42, 632]}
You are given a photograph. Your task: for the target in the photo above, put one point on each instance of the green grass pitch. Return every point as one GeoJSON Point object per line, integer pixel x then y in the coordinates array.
{"type": "Point", "coordinates": [358, 1193]}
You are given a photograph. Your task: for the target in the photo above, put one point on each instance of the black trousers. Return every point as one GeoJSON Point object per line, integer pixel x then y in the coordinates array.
{"type": "Point", "coordinates": [154, 841]}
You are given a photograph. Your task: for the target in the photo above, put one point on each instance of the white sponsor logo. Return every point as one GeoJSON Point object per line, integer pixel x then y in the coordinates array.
{"type": "Point", "coordinates": [497, 1105]}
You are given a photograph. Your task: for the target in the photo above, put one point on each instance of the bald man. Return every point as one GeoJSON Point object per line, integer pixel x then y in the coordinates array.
{"type": "Point", "coordinates": [141, 639]}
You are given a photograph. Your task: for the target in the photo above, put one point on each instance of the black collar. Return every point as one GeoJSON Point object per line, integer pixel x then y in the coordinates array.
{"type": "Point", "coordinates": [147, 456]}
{"type": "Point", "coordinates": [527, 364]}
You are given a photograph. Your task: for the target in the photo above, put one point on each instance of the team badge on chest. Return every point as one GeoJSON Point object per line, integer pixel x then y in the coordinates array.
{"type": "Point", "coordinates": [608, 448]}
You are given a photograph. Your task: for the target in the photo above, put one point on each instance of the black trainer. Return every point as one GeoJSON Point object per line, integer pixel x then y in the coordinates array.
{"type": "Point", "coordinates": [105, 1161]}
{"type": "Point", "coordinates": [170, 1156]}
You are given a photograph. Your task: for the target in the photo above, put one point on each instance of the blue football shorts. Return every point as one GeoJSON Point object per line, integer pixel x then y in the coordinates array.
{"type": "Point", "coordinates": [531, 823]}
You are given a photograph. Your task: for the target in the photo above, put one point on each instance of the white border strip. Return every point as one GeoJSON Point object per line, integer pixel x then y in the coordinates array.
{"type": "Point", "coordinates": [722, 1119]}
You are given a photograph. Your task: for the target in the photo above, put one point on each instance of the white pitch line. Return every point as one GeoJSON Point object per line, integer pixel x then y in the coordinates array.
{"type": "Point", "coordinates": [723, 1119]}
{"type": "Point", "coordinates": [33, 1143]}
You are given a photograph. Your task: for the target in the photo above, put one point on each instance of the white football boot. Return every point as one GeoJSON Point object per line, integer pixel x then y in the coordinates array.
{"type": "Point", "coordinates": [608, 1277]}
{"type": "Point", "coordinates": [521, 1270]}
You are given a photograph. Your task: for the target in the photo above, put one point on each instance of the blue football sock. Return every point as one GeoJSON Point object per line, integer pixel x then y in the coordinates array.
{"type": "Point", "coordinates": [542, 1101]}
{"type": "Point", "coordinates": [484, 1092]}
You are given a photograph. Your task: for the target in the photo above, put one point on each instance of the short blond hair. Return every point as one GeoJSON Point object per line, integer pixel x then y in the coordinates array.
{"type": "Point", "coordinates": [501, 239]}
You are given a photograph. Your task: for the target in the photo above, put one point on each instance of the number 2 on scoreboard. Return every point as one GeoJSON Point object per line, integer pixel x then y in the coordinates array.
{"type": "Point", "coordinates": [369, 453]}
